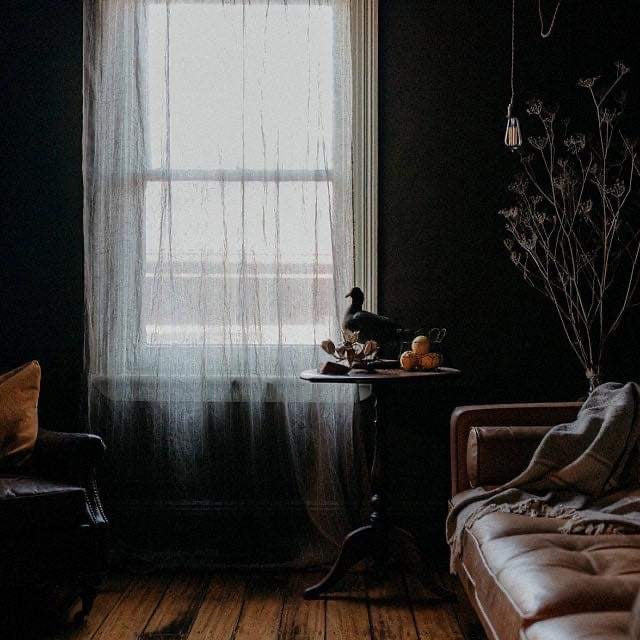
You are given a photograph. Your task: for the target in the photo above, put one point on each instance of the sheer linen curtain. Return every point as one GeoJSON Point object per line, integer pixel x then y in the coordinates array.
{"type": "Point", "coordinates": [219, 248]}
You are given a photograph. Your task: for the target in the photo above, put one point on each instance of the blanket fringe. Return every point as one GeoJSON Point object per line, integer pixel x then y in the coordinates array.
{"type": "Point", "coordinates": [578, 524]}
{"type": "Point", "coordinates": [534, 508]}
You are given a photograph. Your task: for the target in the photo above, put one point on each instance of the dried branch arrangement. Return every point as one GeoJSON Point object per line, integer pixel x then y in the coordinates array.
{"type": "Point", "coordinates": [574, 232]}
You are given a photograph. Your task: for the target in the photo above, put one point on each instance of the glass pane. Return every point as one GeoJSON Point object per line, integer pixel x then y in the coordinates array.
{"type": "Point", "coordinates": [216, 267]}
{"type": "Point", "coordinates": [242, 85]}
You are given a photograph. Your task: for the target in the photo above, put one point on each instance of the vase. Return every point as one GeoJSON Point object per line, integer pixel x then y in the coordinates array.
{"type": "Point", "coordinates": [594, 378]}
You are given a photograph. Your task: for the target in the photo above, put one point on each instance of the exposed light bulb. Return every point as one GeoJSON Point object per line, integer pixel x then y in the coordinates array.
{"type": "Point", "coordinates": [513, 134]}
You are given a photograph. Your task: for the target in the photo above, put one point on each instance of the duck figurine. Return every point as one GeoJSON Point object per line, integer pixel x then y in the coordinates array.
{"type": "Point", "coordinates": [370, 326]}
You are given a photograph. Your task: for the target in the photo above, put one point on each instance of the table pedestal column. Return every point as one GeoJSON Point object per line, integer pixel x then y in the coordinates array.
{"type": "Point", "coordinates": [379, 540]}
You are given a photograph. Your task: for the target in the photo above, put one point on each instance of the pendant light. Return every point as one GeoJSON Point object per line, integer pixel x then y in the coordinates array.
{"type": "Point", "coordinates": [513, 134]}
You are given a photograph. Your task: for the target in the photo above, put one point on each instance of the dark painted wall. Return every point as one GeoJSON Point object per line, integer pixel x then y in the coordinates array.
{"type": "Point", "coordinates": [444, 89]}
{"type": "Point", "coordinates": [41, 297]}
{"type": "Point", "coordinates": [443, 170]}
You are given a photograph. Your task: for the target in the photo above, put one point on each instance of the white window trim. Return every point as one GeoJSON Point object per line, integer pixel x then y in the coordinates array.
{"type": "Point", "coordinates": [364, 21]}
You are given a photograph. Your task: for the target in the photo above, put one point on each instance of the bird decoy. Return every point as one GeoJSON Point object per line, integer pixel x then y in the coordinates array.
{"type": "Point", "coordinates": [370, 326]}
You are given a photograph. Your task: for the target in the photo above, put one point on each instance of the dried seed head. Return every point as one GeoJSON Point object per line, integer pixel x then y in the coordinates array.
{"type": "Point", "coordinates": [587, 83]}
{"type": "Point", "coordinates": [621, 67]}
{"type": "Point", "coordinates": [534, 107]}
{"type": "Point", "coordinates": [560, 183]}
{"type": "Point", "coordinates": [538, 142]}
{"type": "Point", "coordinates": [519, 184]}
{"type": "Point", "coordinates": [540, 217]}
{"type": "Point", "coordinates": [528, 244]}
{"type": "Point", "coordinates": [584, 208]}
{"type": "Point", "coordinates": [575, 144]}
{"type": "Point", "coordinates": [617, 189]}
{"type": "Point", "coordinates": [510, 213]}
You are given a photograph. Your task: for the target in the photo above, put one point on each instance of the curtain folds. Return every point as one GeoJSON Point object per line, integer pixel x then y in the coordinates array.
{"type": "Point", "coordinates": [219, 247]}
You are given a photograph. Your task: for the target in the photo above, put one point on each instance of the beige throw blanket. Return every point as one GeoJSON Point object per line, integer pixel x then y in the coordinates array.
{"type": "Point", "coordinates": [576, 473]}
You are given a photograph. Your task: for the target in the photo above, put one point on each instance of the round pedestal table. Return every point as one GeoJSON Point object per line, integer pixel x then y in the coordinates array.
{"type": "Point", "coordinates": [380, 540]}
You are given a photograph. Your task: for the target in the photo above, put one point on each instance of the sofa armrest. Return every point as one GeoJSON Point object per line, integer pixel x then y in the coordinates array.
{"type": "Point", "coordinates": [72, 458]}
{"type": "Point", "coordinates": [496, 455]}
{"type": "Point", "coordinates": [465, 418]}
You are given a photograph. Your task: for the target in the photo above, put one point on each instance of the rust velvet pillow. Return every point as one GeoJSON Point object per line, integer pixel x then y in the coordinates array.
{"type": "Point", "coordinates": [19, 391]}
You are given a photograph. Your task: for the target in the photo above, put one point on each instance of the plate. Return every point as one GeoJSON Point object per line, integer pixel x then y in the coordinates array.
{"type": "Point", "coordinates": [386, 364]}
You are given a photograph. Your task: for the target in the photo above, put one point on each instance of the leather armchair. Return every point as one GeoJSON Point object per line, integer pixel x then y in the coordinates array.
{"type": "Point", "coordinates": [52, 524]}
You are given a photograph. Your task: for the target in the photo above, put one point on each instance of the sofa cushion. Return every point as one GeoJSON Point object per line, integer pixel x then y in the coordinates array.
{"type": "Point", "coordinates": [524, 570]}
{"type": "Point", "coordinates": [612, 625]}
{"type": "Point", "coordinates": [19, 391]}
{"type": "Point", "coordinates": [28, 504]}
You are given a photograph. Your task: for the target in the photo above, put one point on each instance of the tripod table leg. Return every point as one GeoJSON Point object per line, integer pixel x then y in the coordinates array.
{"type": "Point", "coordinates": [356, 546]}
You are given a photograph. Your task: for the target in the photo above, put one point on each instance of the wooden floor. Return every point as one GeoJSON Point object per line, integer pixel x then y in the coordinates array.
{"type": "Point", "coordinates": [265, 606]}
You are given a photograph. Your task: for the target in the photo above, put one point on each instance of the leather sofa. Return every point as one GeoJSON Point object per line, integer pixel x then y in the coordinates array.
{"type": "Point", "coordinates": [52, 525]}
{"type": "Point", "coordinates": [525, 579]}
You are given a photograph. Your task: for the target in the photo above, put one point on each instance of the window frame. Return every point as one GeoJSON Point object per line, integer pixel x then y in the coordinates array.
{"type": "Point", "coordinates": [364, 48]}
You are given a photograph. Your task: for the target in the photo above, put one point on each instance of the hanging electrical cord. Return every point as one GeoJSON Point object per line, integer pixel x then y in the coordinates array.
{"type": "Point", "coordinates": [547, 33]}
{"type": "Point", "coordinates": [513, 135]}
{"type": "Point", "coordinates": [513, 49]}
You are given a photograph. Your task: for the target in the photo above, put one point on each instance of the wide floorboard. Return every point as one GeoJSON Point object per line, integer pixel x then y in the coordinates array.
{"type": "Point", "coordinates": [269, 606]}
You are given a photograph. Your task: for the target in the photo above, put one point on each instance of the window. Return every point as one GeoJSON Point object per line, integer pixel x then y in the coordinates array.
{"type": "Point", "coordinates": [242, 154]}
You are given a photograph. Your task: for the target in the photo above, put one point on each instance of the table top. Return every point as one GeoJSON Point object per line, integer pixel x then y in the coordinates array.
{"type": "Point", "coordinates": [383, 375]}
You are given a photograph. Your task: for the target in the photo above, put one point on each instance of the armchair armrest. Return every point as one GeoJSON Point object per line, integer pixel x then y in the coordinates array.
{"type": "Point", "coordinates": [67, 456]}
{"type": "Point", "coordinates": [463, 419]}
{"type": "Point", "coordinates": [72, 458]}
